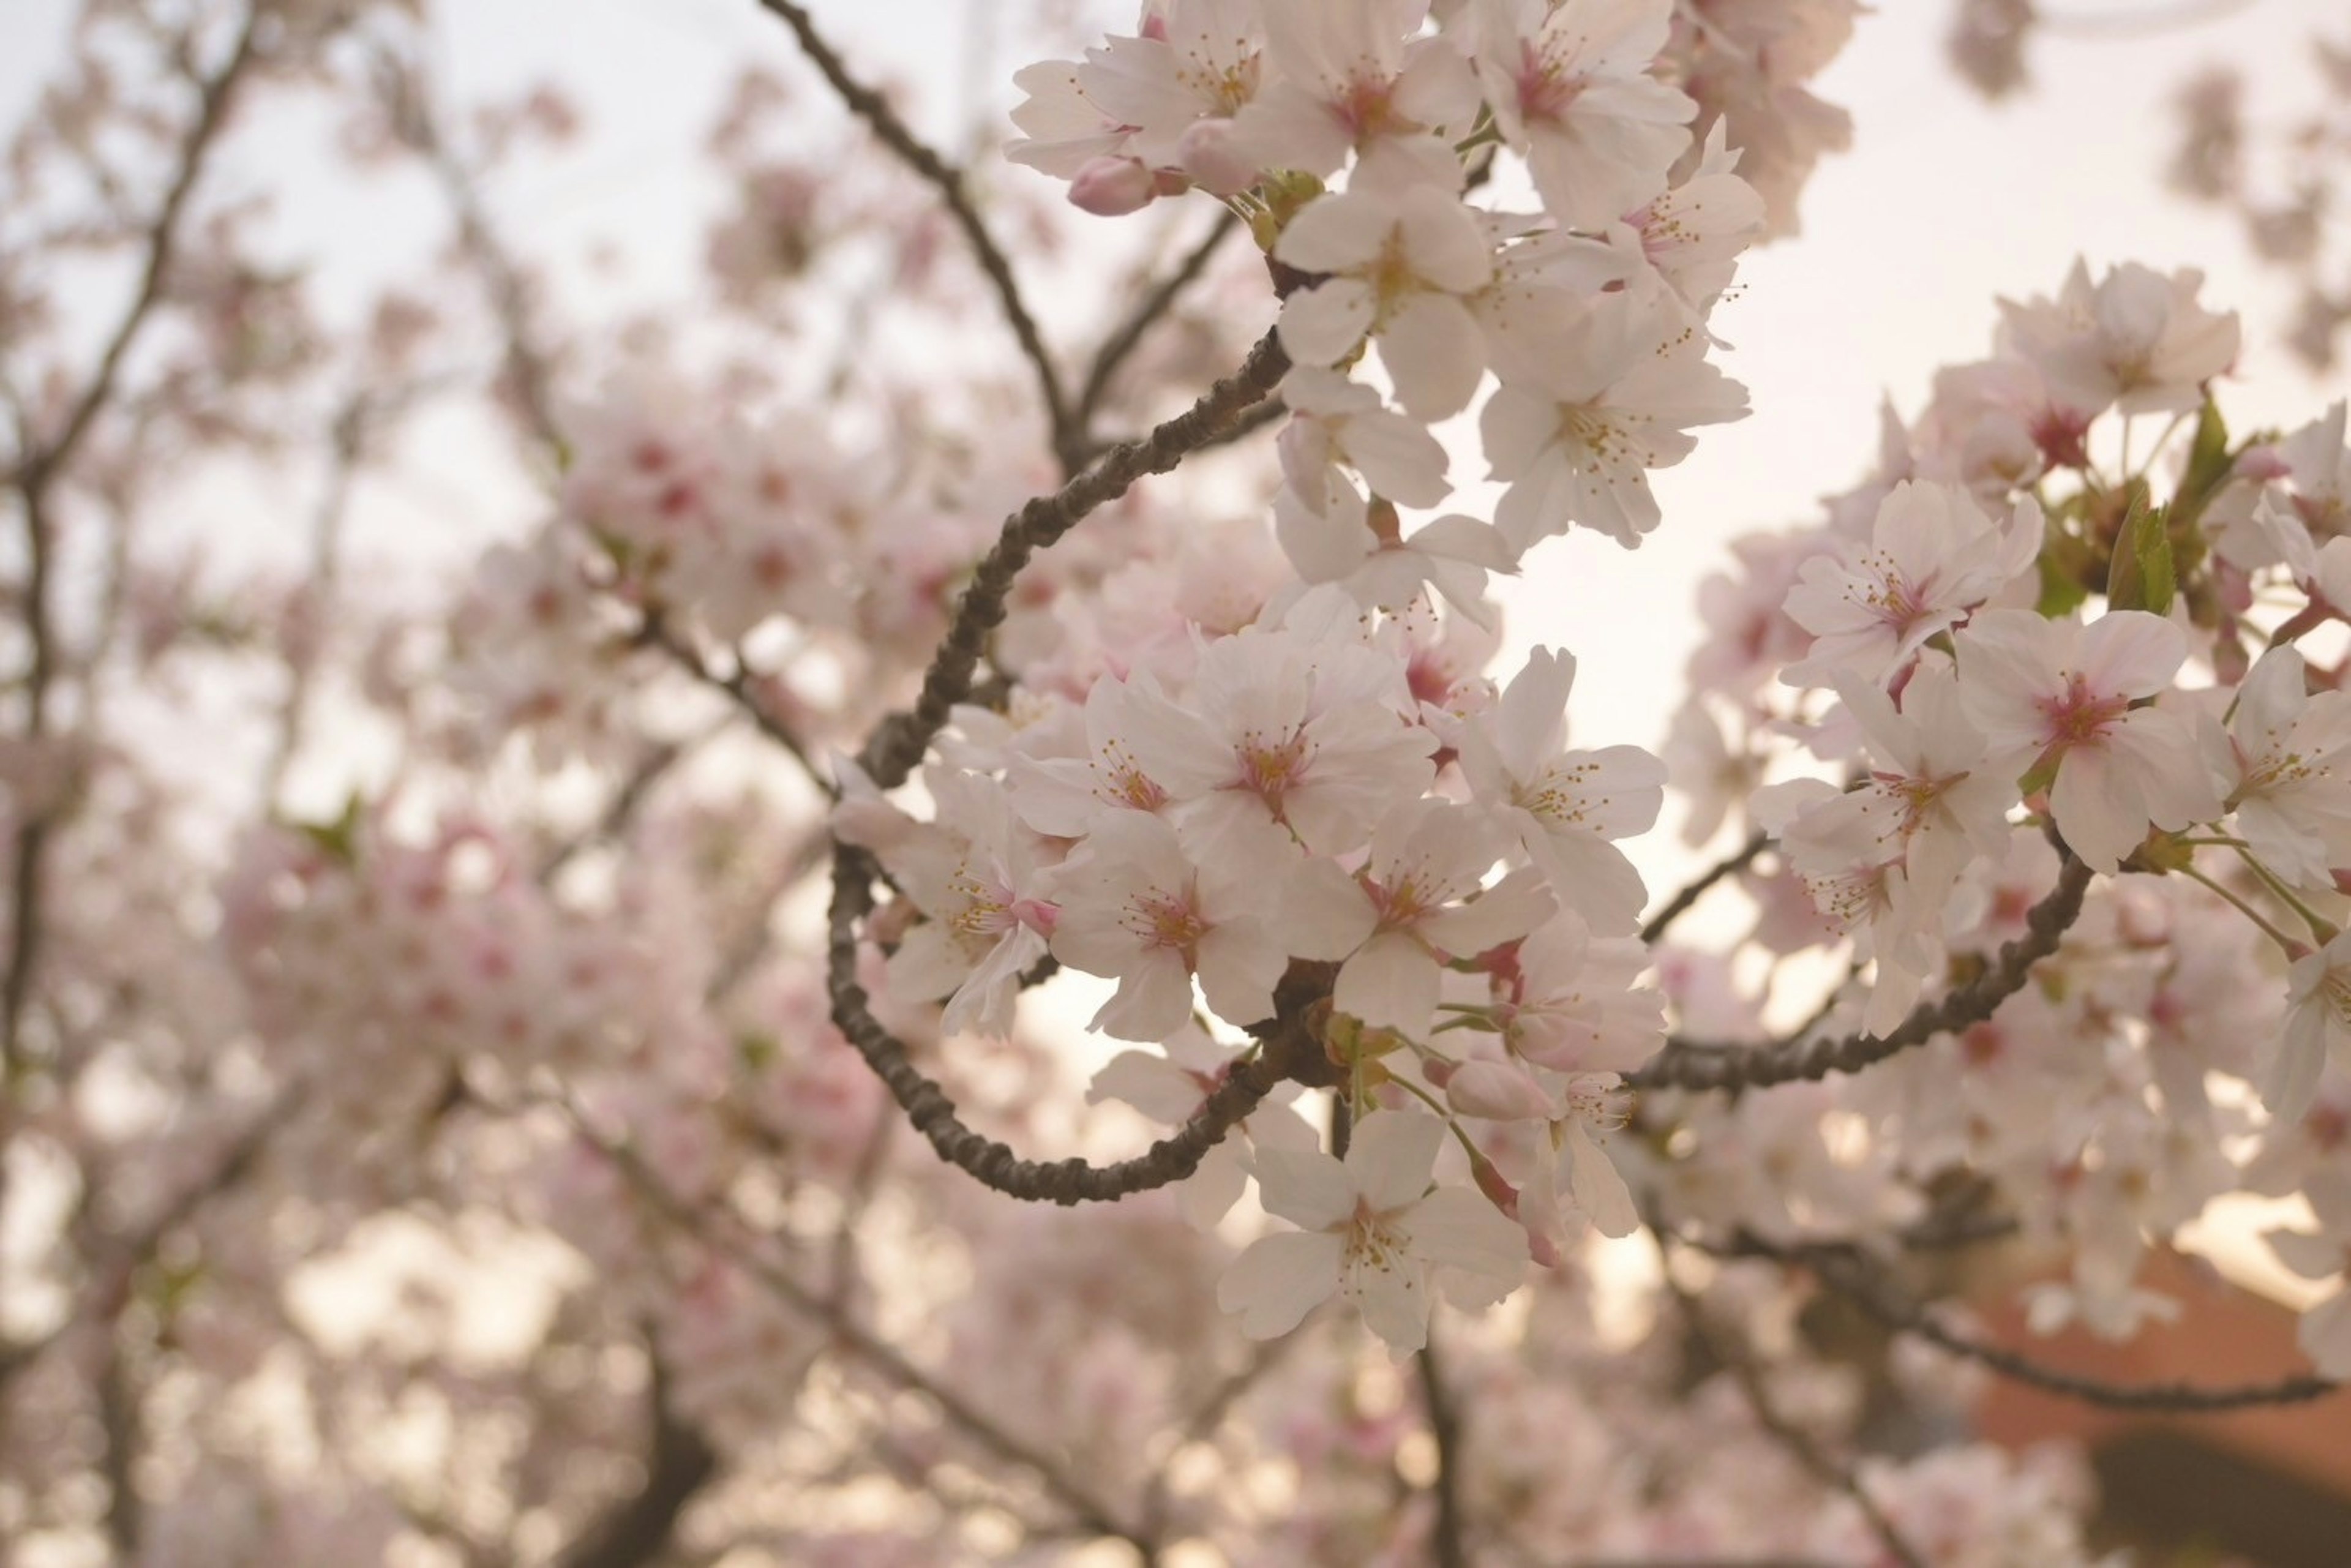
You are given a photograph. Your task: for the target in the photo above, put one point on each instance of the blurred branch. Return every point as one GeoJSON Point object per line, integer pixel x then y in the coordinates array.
{"type": "Point", "coordinates": [898, 743]}
{"type": "Point", "coordinates": [743, 1251]}
{"type": "Point", "coordinates": [893, 133]}
{"type": "Point", "coordinates": [736, 684]}
{"type": "Point", "coordinates": [1449, 1548]}
{"type": "Point", "coordinates": [680, 1462]}
{"type": "Point", "coordinates": [37, 473]}
{"type": "Point", "coordinates": [1799, 1444]}
{"type": "Point", "coordinates": [347, 439]}
{"type": "Point", "coordinates": [1691, 1064]}
{"type": "Point", "coordinates": [1683, 902]}
{"type": "Point", "coordinates": [1129, 334]}
{"type": "Point", "coordinates": [1868, 1286]}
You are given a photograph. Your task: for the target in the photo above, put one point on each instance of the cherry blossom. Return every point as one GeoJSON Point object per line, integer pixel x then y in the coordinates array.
{"type": "Point", "coordinates": [1371, 1229]}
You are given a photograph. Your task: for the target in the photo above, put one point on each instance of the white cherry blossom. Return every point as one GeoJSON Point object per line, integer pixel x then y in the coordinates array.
{"type": "Point", "coordinates": [1565, 807]}
{"type": "Point", "coordinates": [1134, 908]}
{"type": "Point", "coordinates": [2057, 693]}
{"type": "Point", "coordinates": [1371, 1231]}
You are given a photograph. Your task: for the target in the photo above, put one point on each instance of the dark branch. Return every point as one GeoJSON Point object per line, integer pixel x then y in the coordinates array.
{"type": "Point", "coordinates": [636, 1531]}
{"type": "Point", "coordinates": [847, 1333]}
{"type": "Point", "coordinates": [1868, 1287]}
{"type": "Point", "coordinates": [1685, 1064]}
{"type": "Point", "coordinates": [1449, 1548]}
{"type": "Point", "coordinates": [35, 474]}
{"type": "Point", "coordinates": [875, 110]}
{"type": "Point", "coordinates": [897, 744]}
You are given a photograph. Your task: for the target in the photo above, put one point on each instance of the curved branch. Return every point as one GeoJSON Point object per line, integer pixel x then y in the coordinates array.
{"type": "Point", "coordinates": [995, 1165]}
{"type": "Point", "coordinates": [875, 110]}
{"type": "Point", "coordinates": [1688, 1064]}
{"type": "Point", "coordinates": [898, 743]}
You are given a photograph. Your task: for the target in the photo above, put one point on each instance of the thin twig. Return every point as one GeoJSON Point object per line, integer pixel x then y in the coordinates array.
{"type": "Point", "coordinates": [1128, 336]}
{"type": "Point", "coordinates": [875, 110]}
{"type": "Point", "coordinates": [1868, 1287]}
{"type": "Point", "coordinates": [35, 473]}
{"type": "Point", "coordinates": [736, 684]}
{"type": "Point", "coordinates": [1689, 1064]}
{"type": "Point", "coordinates": [1681, 903]}
{"type": "Point", "coordinates": [1800, 1445]}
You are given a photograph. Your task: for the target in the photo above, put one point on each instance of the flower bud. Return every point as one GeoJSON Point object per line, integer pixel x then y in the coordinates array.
{"type": "Point", "coordinates": [1113, 187]}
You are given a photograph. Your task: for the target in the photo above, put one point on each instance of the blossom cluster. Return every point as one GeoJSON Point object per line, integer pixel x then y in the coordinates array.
{"type": "Point", "coordinates": [2020, 633]}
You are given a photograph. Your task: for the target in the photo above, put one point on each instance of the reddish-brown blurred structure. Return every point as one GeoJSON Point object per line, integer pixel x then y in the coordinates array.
{"type": "Point", "coordinates": [2268, 1485]}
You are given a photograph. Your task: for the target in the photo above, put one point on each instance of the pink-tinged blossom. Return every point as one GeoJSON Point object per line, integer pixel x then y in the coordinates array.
{"type": "Point", "coordinates": [1417, 902]}
{"type": "Point", "coordinates": [1134, 908]}
{"type": "Point", "coordinates": [1928, 801]}
{"type": "Point", "coordinates": [1169, 1089]}
{"type": "Point", "coordinates": [1619, 397]}
{"type": "Point", "coordinates": [1933, 557]}
{"type": "Point", "coordinates": [1285, 737]}
{"type": "Point", "coordinates": [1396, 260]}
{"type": "Point", "coordinates": [1198, 61]}
{"type": "Point", "coordinates": [2319, 463]}
{"type": "Point", "coordinates": [2056, 693]}
{"type": "Point", "coordinates": [975, 875]}
{"type": "Point", "coordinates": [2324, 1330]}
{"type": "Point", "coordinates": [1335, 421]}
{"type": "Point", "coordinates": [1888, 853]}
{"type": "Point", "coordinates": [2136, 341]}
{"type": "Point", "coordinates": [1571, 1002]}
{"type": "Point", "coordinates": [1352, 78]}
{"type": "Point", "coordinates": [1362, 549]}
{"type": "Point", "coordinates": [1371, 1231]}
{"type": "Point", "coordinates": [1565, 807]}
{"type": "Point", "coordinates": [1569, 1109]}
{"type": "Point", "coordinates": [2317, 1026]}
{"type": "Point", "coordinates": [1693, 235]}
{"type": "Point", "coordinates": [1065, 795]}
{"type": "Point", "coordinates": [1571, 88]}
{"type": "Point", "coordinates": [2285, 763]}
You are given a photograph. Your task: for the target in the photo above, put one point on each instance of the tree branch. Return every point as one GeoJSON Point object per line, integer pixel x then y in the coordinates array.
{"type": "Point", "coordinates": [893, 133]}
{"type": "Point", "coordinates": [1688, 1064]}
{"type": "Point", "coordinates": [681, 1462]}
{"type": "Point", "coordinates": [1449, 1548]}
{"type": "Point", "coordinates": [1681, 903]}
{"type": "Point", "coordinates": [1128, 336]}
{"type": "Point", "coordinates": [1846, 1270]}
{"type": "Point", "coordinates": [898, 743]}
{"type": "Point", "coordinates": [35, 473]}
{"type": "Point", "coordinates": [1800, 1445]}
{"type": "Point", "coordinates": [849, 1335]}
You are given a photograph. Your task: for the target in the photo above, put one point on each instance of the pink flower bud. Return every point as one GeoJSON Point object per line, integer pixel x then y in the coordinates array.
{"type": "Point", "coordinates": [1208, 154]}
{"type": "Point", "coordinates": [1500, 1091]}
{"type": "Point", "coordinates": [1113, 187]}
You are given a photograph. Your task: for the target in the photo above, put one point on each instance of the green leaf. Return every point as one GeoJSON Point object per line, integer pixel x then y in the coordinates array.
{"type": "Point", "coordinates": [2141, 576]}
{"type": "Point", "coordinates": [340, 838]}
